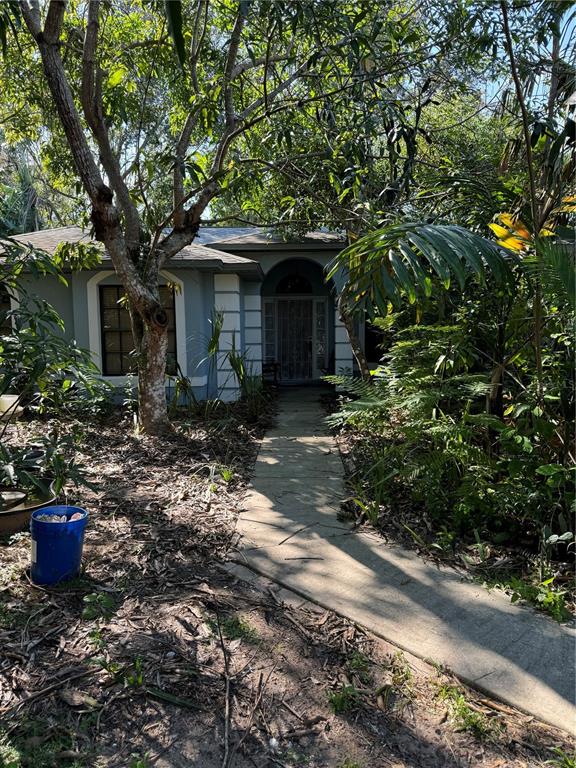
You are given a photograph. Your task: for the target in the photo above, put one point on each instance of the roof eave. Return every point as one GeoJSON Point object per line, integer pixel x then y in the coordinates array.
{"type": "Point", "coordinates": [293, 246]}
{"type": "Point", "coordinates": [253, 270]}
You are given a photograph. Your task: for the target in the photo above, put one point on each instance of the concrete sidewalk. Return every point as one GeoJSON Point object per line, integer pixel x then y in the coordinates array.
{"type": "Point", "coordinates": [291, 534]}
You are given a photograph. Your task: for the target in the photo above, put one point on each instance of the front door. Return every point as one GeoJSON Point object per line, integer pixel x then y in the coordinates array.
{"type": "Point", "coordinates": [295, 337]}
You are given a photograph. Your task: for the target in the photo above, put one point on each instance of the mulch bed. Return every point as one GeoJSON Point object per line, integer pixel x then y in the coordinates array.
{"type": "Point", "coordinates": [158, 655]}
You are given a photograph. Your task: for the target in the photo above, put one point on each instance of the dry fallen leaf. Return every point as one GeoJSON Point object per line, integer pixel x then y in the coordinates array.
{"type": "Point", "coordinates": [75, 698]}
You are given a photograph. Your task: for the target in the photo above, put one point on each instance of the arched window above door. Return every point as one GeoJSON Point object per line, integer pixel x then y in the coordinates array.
{"type": "Point", "coordinates": [294, 284]}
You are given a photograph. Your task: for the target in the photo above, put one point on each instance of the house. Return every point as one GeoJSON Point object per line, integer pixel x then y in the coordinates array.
{"type": "Point", "coordinates": [277, 308]}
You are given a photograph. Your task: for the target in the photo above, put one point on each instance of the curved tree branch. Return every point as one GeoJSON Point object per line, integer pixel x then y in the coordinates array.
{"type": "Point", "coordinates": [105, 216]}
{"type": "Point", "coordinates": [92, 104]}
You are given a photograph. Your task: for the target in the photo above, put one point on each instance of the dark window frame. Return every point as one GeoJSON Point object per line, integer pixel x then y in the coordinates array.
{"type": "Point", "coordinates": [6, 324]}
{"type": "Point", "coordinates": [294, 284]}
{"type": "Point", "coordinates": [172, 356]}
{"type": "Point", "coordinates": [373, 339]}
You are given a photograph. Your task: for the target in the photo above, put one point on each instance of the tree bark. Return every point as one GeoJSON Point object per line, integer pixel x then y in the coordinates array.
{"type": "Point", "coordinates": [149, 320]}
{"type": "Point", "coordinates": [357, 350]}
{"type": "Point", "coordinates": [495, 396]}
{"type": "Point", "coordinates": [152, 348]}
{"type": "Point", "coordinates": [494, 399]}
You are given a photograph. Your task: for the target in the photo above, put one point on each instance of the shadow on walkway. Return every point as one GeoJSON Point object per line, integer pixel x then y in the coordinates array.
{"type": "Point", "coordinates": [291, 534]}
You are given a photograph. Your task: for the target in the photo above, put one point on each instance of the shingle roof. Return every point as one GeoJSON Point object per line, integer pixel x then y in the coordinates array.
{"type": "Point", "coordinates": [210, 250]}
{"type": "Point", "coordinates": [254, 238]}
{"type": "Point", "coordinates": [49, 239]}
{"type": "Point", "coordinates": [194, 255]}
{"type": "Point", "coordinates": [208, 237]}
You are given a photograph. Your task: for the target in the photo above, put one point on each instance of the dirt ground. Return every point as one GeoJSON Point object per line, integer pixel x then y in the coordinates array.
{"type": "Point", "coordinates": [160, 655]}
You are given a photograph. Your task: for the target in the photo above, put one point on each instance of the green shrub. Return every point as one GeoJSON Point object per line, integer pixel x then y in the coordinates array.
{"type": "Point", "coordinates": [423, 434]}
{"type": "Point", "coordinates": [49, 372]}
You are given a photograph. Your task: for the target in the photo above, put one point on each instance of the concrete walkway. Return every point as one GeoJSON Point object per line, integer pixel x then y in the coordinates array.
{"type": "Point", "coordinates": [292, 535]}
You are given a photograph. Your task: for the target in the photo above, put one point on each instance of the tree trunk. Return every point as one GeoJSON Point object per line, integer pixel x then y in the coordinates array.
{"type": "Point", "coordinates": [494, 399]}
{"type": "Point", "coordinates": [120, 234]}
{"type": "Point", "coordinates": [357, 350]}
{"type": "Point", "coordinates": [151, 348]}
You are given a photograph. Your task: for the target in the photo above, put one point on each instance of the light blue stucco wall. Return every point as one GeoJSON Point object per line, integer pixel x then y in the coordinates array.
{"type": "Point", "coordinates": [199, 303]}
{"type": "Point", "coordinates": [267, 259]}
{"type": "Point", "coordinates": [72, 304]}
{"type": "Point", "coordinates": [270, 259]}
{"type": "Point", "coordinates": [60, 296]}
{"type": "Point", "coordinates": [80, 329]}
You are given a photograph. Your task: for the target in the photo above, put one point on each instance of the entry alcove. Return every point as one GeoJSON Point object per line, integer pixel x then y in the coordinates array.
{"type": "Point", "coordinates": [297, 317]}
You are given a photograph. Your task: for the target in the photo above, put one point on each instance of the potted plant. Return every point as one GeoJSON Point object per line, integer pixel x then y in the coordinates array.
{"type": "Point", "coordinates": [27, 482]}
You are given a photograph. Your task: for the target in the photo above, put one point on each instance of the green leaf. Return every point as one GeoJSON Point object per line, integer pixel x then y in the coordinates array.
{"type": "Point", "coordinates": [443, 250]}
{"type": "Point", "coordinates": [486, 420]}
{"type": "Point", "coordinates": [9, 20]}
{"type": "Point", "coordinates": [415, 264]}
{"type": "Point", "coordinates": [549, 469]}
{"type": "Point", "coordinates": [403, 276]}
{"type": "Point", "coordinates": [117, 76]}
{"type": "Point", "coordinates": [431, 256]}
{"type": "Point", "coordinates": [412, 250]}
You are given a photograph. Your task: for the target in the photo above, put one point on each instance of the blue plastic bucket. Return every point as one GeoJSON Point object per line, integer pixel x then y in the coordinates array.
{"type": "Point", "coordinates": [56, 547]}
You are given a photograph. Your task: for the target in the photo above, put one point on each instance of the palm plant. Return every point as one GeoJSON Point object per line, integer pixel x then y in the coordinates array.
{"type": "Point", "coordinates": [406, 259]}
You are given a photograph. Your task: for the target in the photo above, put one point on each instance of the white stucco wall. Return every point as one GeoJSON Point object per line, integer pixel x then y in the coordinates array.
{"type": "Point", "coordinates": [227, 301]}
{"type": "Point", "coordinates": [252, 309]}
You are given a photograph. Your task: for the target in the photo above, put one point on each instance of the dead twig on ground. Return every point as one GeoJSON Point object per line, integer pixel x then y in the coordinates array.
{"type": "Point", "coordinates": [158, 693]}
{"type": "Point", "coordinates": [227, 697]}
{"type": "Point", "coordinates": [167, 672]}
{"type": "Point", "coordinates": [255, 707]}
{"type": "Point", "coordinates": [50, 689]}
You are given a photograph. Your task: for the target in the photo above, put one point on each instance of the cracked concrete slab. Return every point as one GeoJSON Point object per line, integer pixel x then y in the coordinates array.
{"type": "Point", "coordinates": [291, 534]}
{"type": "Point", "coordinates": [286, 492]}
{"type": "Point", "coordinates": [282, 466]}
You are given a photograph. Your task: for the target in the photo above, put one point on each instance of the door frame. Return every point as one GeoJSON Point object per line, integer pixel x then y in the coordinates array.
{"type": "Point", "coordinates": [317, 373]}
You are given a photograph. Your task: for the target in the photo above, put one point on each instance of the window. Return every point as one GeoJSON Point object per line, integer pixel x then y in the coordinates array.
{"type": "Point", "coordinates": [117, 341]}
{"type": "Point", "coordinates": [294, 284]}
{"type": "Point", "coordinates": [373, 341]}
{"type": "Point", "coordinates": [5, 307]}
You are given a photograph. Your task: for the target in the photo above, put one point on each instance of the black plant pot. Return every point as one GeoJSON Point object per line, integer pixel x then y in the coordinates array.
{"type": "Point", "coordinates": [17, 504]}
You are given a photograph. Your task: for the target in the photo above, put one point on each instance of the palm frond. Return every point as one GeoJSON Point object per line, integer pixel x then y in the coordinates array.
{"type": "Point", "coordinates": [366, 398]}
{"type": "Point", "coordinates": [10, 22]}
{"type": "Point", "coordinates": [554, 263]}
{"type": "Point", "coordinates": [402, 260]}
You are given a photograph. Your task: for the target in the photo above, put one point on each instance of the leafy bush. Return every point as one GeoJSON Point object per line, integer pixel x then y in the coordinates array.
{"type": "Point", "coordinates": [423, 435]}
{"type": "Point", "coordinates": [343, 699]}
{"type": "Point", "coordinates": [49, 462]}
{"type": "Point", "coordinates": [461, 714]}
{"type": "Point", "coordinates": [50, 373]}
{"type": "Point", "coordinates": [542, 595]}
{"type": "Point", "coordinates": [252, 390]}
